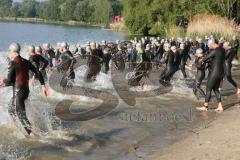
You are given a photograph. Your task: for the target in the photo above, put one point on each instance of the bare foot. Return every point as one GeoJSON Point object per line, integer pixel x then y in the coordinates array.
{"type": "Point", "coordinates": [33, 136]}
{"type": "Point", "coordinates": [145, 87]}
{"type": "Point", "coordinates": [219, 109]}
{"type": "Point", "coordinates": [238, 91]}
{"type": "Point", "coordinates": [142, 86]}
{"type": "Point", "coordinates": [203, 108]}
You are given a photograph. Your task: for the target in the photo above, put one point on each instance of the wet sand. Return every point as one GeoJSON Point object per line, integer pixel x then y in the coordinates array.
{"type": "Point", "coordinates": [148, 130]}
{"type": "Point", "coordinates": [218, 140]}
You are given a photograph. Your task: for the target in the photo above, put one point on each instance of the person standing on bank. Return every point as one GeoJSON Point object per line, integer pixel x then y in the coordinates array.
{"type": "Point", "coordinates": [216, 75]}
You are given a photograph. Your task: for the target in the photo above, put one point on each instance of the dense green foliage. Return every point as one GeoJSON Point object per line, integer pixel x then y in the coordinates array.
{"type": "Point", "coordinates": [88, 11]}
{"type": "Point", "coordinates": [154, 16]}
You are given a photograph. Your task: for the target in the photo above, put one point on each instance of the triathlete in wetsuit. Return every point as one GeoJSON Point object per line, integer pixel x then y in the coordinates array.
{"type": "Point", "coordinates": [79, 51]}
{"type": "Point", "coordinates": [200, 72]}
{"type": "Point", "coordinates": [49, 53]}
{"type": "Point", "coordinates": [230, 55]}
{"type": "Point", "coordinates": [106, 59]}
{"type": "Point", "coordinates": [66, 65]}
{"type": "Point", "coordinates": [177, 58]}
{"type": "Point", "coordinates": [236, 43]}
{"type": "Point", "coordinates": [132, 56]}
{"type": "Point", "coordinates": [119, 59]}
{"type": "Point", "coordinates": [216, 75]}
{"type": "Point", "coordinates": [183, 51]}
{"type": "Point", "coordinates": [38, 61]}
{"type": "Point", "coordinates": [95, 58]}
{"type": "Point", "coordinates": [171, 68]}
{"type": "Point", "coordinates": [158, 51]}
{"type": "Point", "coordinates": [18, 77]}
{"type": "Point", "coordinates": [143, 67]}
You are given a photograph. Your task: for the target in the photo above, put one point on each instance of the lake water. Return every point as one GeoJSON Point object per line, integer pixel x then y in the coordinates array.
{"type": "Point", "coordinates": [27, 33]}
{"type": "Point", "coordinates": [118, 135]}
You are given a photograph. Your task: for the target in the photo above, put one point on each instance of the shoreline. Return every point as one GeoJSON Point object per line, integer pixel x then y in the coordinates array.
{"type": "Point", "coordinates": [216, 140]}
{"type": "Point", "coordinates": [42, 21]}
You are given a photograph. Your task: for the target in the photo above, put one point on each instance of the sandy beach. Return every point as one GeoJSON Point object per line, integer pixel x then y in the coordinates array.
{"type": "Point", "coordinates": [218, 140]}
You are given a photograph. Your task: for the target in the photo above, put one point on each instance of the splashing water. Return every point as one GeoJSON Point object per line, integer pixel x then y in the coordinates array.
{"type": "Point", "coordinates": [41, 110]}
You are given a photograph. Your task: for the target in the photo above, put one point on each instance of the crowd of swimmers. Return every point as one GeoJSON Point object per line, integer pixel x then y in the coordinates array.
{"type": "Point", "coordinates": [211, 57]}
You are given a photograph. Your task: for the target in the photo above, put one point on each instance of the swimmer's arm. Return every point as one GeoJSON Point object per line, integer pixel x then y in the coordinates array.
{"type": "Point", "coordinates": [189, 57]}
{"type": "Point", "coordinates": [236, 44]}
{"type": "Point", "coordinates": [37, 73]}
{"type": "Point", "coordinates": [11, 75]}
{"type": "Point", "coordinates": [228, 55]}
{"type": "Point", "coordinates": [73, 60]}
{"type": "Point", "coordinates": [46, 63]}
{"type": "Point", "coordinates": [209, 56]}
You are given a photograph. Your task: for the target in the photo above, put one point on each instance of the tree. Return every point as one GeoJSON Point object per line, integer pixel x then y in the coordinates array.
{"type": "Point", "coordinates": [83, 11]}
{"type": "Point", "coordinates": [94, 11]}
{"type": "Point", "coordinates": [5, 8]}
{"type": "Point", "coordinates": [102, 11]}
{"type": "Point", "coordinates": [15, 10]}
{"type": "Point", "coordinates": [51, 10]}
{"type": "Point", "coordinates": [28, 8]}
{"type": "Point", "coordinates": [117, 7]}
{"type": "Point", "coordinates": [67, 10]}
{"type": "Point", "coordinates": [155, 16]}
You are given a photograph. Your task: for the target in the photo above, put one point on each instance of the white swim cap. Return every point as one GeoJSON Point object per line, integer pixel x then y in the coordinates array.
{"type": "Point", "coordinates": [31, 48]}
{"type": "Point", "coordinates": [173, 48]}
{"type": "Point", "coordinates": [210, 42]}
{"type": "Point", "coordinates": [182, 45]}
{"type": "Point", "coordinates": [38, 49]}
{"type": "Point", "coordinates": [148, 47]}
{"type": "Point", "coordinates": [139, 45]}
{"type": "Point", "coordinates": [93, 44]}
{"type": "Point", "coordinates": [15, 47]}
{"type": "Point", "coordinates": [64, 45]}
{"type": "Point", "coordinates": [199, 51]}
{"type": "Point", "coordinates": [226, 45]}
{"type": "Point", "coordinates": [167, 45]}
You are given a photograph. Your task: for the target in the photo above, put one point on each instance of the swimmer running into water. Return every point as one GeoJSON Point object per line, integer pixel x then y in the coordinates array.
{"type": "Point", "coordinates": [18, 77]}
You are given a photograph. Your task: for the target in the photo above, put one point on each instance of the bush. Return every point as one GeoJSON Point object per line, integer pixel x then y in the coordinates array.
{"type": "Point", "coordinates": [205, 24]}
{"type": "Point", "coordinates": [174, 32]}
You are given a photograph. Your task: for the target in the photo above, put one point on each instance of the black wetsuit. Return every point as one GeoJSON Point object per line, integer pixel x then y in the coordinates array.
{"type": "Point", "coordinates": [119, 60]}
{"type": "Point", "coordinates": [216, 74]}
{"type": "Point", "coordinates": [80, 51]}
{"type": "Point", "coordinates": [188, 46]}
{"type": "Point", "coordinates": [170, 69]}
{"type": "Point", "coordinates": [18, 77]}
{"type": "Point", "coordinates": [202, 46]}
{"type": "Point", "coordinates": [132, 58]}
{"type": "Point", "coordinates": [236, 44]}
{"type": "Point", "coordinates": [177, 60]}
{"type": "Point", "coordinates": [158, 53]}
{"type": "Point", "coordinates": [231, 54]}
{"type": "Point", "coordinates": [51, 55]}
{"type": "Point", "coordinates": [106, 60]}
{"type": "Point", "coordinates": [40, 64]}
{"type": "Point", "coordinates": [142, 69]}
{"type": "Point", "coordinates": [67, 68]}
{"type": "Point", "coordinates": [94, 64]}
{"type": "Point", "coordinates": [173, 43]}
{"type": "Point", "coordinates": [184, 58]}
{"type": "Point", "coordinates": [199, 77]}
